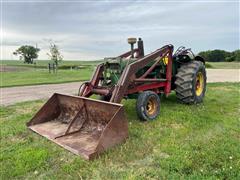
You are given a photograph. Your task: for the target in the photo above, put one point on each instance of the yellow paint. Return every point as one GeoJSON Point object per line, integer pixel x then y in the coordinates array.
{"type": "Point", "coordinates": [199, 84]}
{"type": "Point", "coordinates": [165, 60]}
{"type": "Point", "coordinates": [151, 106]}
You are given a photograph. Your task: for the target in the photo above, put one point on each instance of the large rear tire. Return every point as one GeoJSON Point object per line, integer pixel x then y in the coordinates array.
{"type": "Point", "coordinates": [148, 105]}
{"type": "Point", "coordinates": [191, 82]}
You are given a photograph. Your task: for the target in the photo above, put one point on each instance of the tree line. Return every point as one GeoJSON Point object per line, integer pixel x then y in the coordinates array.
{"type": "Point", "coordinates": [220, 55]}
{"type": "Point", "coordinates": [29, 53]}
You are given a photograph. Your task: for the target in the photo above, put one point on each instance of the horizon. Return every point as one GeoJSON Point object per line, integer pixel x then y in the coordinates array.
{"type": "Point", "coordinates": [17, 58]}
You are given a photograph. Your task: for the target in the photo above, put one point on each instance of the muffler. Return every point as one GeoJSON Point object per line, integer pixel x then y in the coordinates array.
{"type": "Point", "coordinates": [84, 126]}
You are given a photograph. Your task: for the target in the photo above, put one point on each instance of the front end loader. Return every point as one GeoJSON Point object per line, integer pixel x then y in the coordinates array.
{"type": "Point", "coordinates": [88, 127]}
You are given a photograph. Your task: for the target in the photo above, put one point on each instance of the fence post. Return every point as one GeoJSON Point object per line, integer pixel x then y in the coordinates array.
{"type": "Point", "coordinates": [54, 68]}
{"type": "Point", "coordinates": [49, 67]}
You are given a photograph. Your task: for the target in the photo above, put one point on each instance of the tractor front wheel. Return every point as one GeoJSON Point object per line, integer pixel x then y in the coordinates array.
{"type": "Point", "coordinates": [148, 105]}
{"type": "Point", "coordinates": [191, 82]}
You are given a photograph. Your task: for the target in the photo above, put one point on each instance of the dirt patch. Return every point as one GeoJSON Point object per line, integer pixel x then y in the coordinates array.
{"type": "Point", "coordinates": [223, 75]}
{"type": "Point", "coordinates": [5, 68]}
{"type": "Point", "coordinates": [176, 126]}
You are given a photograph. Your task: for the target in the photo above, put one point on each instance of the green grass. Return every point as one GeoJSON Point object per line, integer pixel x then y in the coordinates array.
{"type": "Point", "coordinates": [34, 77]}
{"type": "Point", "coordinates": [44, 63]}
{"type": "Point", "coordinates": [223, 65]}
{"type": "Point", "coordinates": [40, 75]}
{"type": "Point", "coordinates": [185, 142]}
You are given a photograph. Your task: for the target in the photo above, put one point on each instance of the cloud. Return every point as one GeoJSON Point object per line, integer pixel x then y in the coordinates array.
{"type": "Point", "coordinates": [92, 30]}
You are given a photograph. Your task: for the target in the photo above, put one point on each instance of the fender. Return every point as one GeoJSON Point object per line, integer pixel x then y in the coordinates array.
{"type": "Point", "coordinates": [199, 58]}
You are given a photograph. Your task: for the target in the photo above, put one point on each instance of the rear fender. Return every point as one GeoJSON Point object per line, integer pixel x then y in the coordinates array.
{"type": "Point", "coordinates": [199, 58]}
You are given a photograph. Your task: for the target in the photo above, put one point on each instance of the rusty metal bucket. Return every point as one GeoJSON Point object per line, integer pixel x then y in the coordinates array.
{"type": "Point", "coordinates": [84, 126]}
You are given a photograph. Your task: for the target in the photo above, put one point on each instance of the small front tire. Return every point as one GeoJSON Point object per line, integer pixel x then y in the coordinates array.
{"type": "Point", "coordinates": [148, 105]}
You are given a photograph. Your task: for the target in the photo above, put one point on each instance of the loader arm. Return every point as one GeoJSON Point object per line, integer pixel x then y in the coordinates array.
{"type": "Point", "coordinates": [86, 89]}
{"type": "Point", "coordinates": [130, 70]}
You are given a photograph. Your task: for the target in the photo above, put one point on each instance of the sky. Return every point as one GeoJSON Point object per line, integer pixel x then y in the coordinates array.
{"type": "Point", "coordinates": [90, 30]}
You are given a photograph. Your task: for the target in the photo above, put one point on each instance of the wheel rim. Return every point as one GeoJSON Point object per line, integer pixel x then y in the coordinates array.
{"type": "Point", "coordinates": [151, 106]}
{"type": "Point", "coordinates": [199, 83]}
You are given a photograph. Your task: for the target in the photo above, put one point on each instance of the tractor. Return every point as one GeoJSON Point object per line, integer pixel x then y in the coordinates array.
{"type": "Point", "coordinates": [88, 127]}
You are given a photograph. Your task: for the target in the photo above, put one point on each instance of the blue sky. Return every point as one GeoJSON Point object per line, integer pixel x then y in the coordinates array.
{"type": "Point", "coordinates": [88, 30]}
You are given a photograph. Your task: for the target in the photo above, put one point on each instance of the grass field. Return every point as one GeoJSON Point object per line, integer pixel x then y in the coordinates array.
{"type": "Point", "coordinates": [44, 63]}
{"type": "Point", "coordinates": [224, 65]}
{"type": "Point", "coordinates": [29, 75]}
{"type": "Point", "coordinates": [185, 142]}
{"type": "Point", "coordinates": [40, 76]}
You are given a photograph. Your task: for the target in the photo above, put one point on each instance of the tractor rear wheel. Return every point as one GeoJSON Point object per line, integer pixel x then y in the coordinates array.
{"type": "Point", "coordinates": [191, 82]}
{"type": "Point", "coordinates": [148, 105]}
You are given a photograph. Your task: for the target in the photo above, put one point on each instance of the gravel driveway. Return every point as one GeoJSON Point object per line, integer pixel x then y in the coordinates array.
{"type": "Point", "coordinates": [223, 75]}
{"type": "Point", "coordinates": [13, 95]}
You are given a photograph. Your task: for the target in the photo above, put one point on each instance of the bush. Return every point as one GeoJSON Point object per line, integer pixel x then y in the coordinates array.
{"type": "Point", "coordinates": [230, 59]}
{"type": "Point", "coordinates": [220, 55]}
{"type": "Point", "coordinates": [207, 65]}
{"type": "Point", "coordinates": [236, 55]}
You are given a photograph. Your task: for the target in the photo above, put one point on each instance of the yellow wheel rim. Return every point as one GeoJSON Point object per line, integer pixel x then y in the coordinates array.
{"type": "Point", "coordinates": [199, 84]}
{"type": "Point", "coordinates": [151, 106]}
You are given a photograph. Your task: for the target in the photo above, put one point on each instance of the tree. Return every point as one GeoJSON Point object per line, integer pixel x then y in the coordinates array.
{"type": "Point", "coordinates": [55, 54]}
{"type": "Point", "coordinates": [236, 55]}
{"type": "Point", "coordinates": [27, 53]}
{"type": "Point", "coordinates": [220, 55]}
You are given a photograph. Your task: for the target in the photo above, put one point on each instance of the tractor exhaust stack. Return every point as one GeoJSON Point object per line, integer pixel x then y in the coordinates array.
{"type": "Point", "coordinates": [140, 47]}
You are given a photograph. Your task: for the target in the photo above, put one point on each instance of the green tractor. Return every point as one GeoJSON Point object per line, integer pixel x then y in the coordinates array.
{"type": "Point", "coordinates": [88, 127]}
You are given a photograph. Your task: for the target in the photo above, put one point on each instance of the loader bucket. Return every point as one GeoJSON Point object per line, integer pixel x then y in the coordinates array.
{"type": "Point", "coordinates": [81, 125]}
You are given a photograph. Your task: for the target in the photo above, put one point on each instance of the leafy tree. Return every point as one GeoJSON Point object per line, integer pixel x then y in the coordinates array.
{"type": "Point", "coordinates": [220, 55]}
{"type": "Point", "coordinates": [27, 53]}
{"type": "Point", "coordinates": [55, 54]}
{"type": "Point", "coordinates": [205, 54]}
{"type": "Point", "coordinates": [236, 55]}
